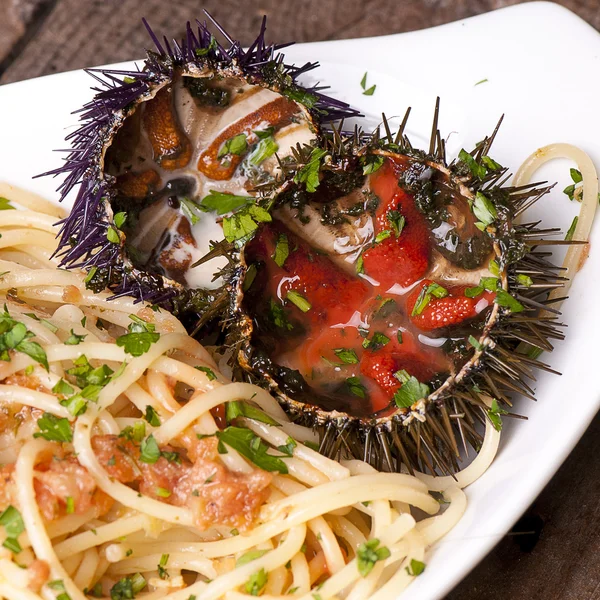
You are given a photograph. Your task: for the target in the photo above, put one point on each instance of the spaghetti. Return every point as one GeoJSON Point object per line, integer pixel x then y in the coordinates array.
{"type": "Point", "coordinates": [125, 477]}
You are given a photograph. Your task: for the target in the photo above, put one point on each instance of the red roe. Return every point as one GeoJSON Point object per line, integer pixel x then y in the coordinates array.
{"type": "Point", "coordinates": [352, 335]}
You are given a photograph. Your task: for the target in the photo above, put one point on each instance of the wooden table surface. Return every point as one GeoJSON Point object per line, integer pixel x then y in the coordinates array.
{"type": "Point", "coordinates": [560, 556]}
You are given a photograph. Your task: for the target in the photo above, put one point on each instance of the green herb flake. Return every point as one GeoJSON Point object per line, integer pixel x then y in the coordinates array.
{"type": "Point", "coordinates": [355, 387]}
{"type": "Point", "coordinates": [278, 316]}
{"type": "Point", "coordinates": [412, 390]}
{"type": "Point", "coordinates": [504, 299]}
{"type": "Point", "coordinates": [282, 250]}
{"type": "Point", "coordinates": [236, 145]}
{"type": "Point", "coordinates": [265, 148]}
{"type": "Point", "coordinates": [14, 526]}
{"type": "Point", "coordinates": [360, 266]}
{"type": "Point", "coordinates": [223, 202]}
{"type": "Point", "coordinates": [251, 447]}
{"type": "Point", "coordinates": [255, 585]}
{"type": "Point", "coordinates": [62, 388]}
{"type": "Point", "coordinates": [397, 221]}
{"type": "Point", "coordinates": [120, 219]}
{"type": "Point", "coordinates": [370, 91]}
{"type": "Point", "coordinates": [490, 163]}
{"type": "Point", "coordinates": [571, 231]}
{"type": "Point", "coordinates": [481, 81]}
{"type": "Point", "coordinates": [377, 341]}
{"type": "Point", "coordinates": [140, 338]}
{"type": "Point", "coordinates": [383, 235]}
{"type": "Point", "coordinates": [298, 300]}
{"type": "Point", "coordinates": [363, 81]}
{"type": "Point", "coordinates": [190, 210]}
{"type": "Point", "coordinates": [150, 452]}
{"type": "Point", "coordinates": [415, 568]}
{"type": "Point", "coordinates": [249, 556]}
{"type": "Point", "coordinates": [54, 429]}
{"type": "Point", "coordinates": [5, 204]}
{"type": "Point", "coordinates": [346, 355]}
{"type": "Point", "coordinates": [495, 415]}
{"type": "Point", "coordinates": [70, 502]}
{"type": "Point", "coordinates": [475, 343]}
{"type": "Point", "coordinates": [210, 374]}
{"type": "Point", "coordinates": [288, 447]}
{"type": "Point", "coordinates": [484, 209]}
{"type": "Point", "coordinates": [74, 339]}
{"type": "Point", "coordinates": [309, 173]}
{"type": "Point", "coordinates": [239, 408]}
{"type": "Point", "coordinates": [524, 280]}
{"type": "Point", "coordinates": [476, 169]}
{"type": "Point", "coordinates": [368, 554]}
{"type": "Point", "coordinates": [128, 587]}
{"type": "Point", "coordinates": [576, 175]}
{"type": "Point", "coordinates": [373, 163]}
{"type": "Point", "coordinates": [151, 416]}
{"type": "Point", "coordinates": [241, 226]}
{"type": "Point", "coordinates": [112, 235]}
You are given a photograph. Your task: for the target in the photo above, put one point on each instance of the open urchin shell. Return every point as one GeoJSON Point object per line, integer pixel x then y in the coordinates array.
{"type": "Point", "coordinates": [157, 138]}
{"type": "Point", "coordinates": [499, 262]}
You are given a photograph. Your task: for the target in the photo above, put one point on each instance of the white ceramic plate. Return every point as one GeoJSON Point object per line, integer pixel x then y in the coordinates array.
{"type": "Point", "coordinates": [541, 63]}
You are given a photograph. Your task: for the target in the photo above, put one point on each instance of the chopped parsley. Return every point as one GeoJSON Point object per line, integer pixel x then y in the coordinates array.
{"type": "Point", "coordinates": [298, 300]}
{"type": "Point", "coordinates": [346, 355]}
{"type": "Point", "coordinates": [70, 502]}
{"type": "Point", "coordinates": [128, 587]}
{"type": "Point", "coordinates": [415, 568]}
{"type": "Point", "coordinates": [424, 297]}
{"type": "Point", "coordinates": [481, 81]}
{"type": "Point", "coordinates": [355, 387]}
{"type": "Point", "coordinates": [251, 447]}
{"type": "Point", "coordinates": [309, 173]}
{"type": "Point", "coordinates": [282, 250]}
{"type": "Point", "coordinates": [152, 416]}
{"type": "Point", "coordinates": [288, 447]}
{"type": "Point", "coordinates": [14, 336]}
{"type": "Point", "coordinates": [378, 341]}
{"type": "Point", "coordinates": [411, 391]}
{"type": "Point", "coordinates": [249, 556]}
{"type": "Point", "coordinates": [484, 210]}
{"type": "Point", "coordinates": [237, 145]}
{"type": "Point", "coordinates": [495, 415]}
{"type": "Point", "coordinates": [135, 433]}
{"type": "Point", "coordinates": [190, 209]}
{"type": "Point", "coordinates": [223, 202]}
{"type": "Point", "coordinates": [504, 299]}
{"type": "Point", "coordinates": [62, 388]}
{"type": "Point", "coordinates": [242, 225]}
{"type": "Point", "coordinates": [54, 429]}
{"type": "Point", "coordinates": [475, 343]}
{"type": "Point", "coordinates": [255, 585]}
{"type": "Point", "coordinates": [150, 452]}
{"type": "Point", "coordinates": [476, 169]}
{"type": "Point", "coordinates": [120, 219]}
{"type": "Point", "coordinates": [571, 231]}
{"type": "Point", "coordinates": [239, 408]}
{"type": "Point", "coordinates": [13, 525]}
{"type": "Point", "coordinates": [210, 374]}
{"type": "Point", "coordinates": [360, 266]}
{"type": "Point", "coordinates": [112, 235]}
{"type": "Point", "coordinates": [265, 148]}
{"type": "Point", "coordinates": [74, 339]}
{"type": "Point", "coordinates": [140, 337]}
{"type": "Point", "coordinates": [524, 280]}
{"type": "Point", "coordinates": [278, 316]}
{"type": "Point", "coordinates": [383, 235]}
{"type": "Point", "coordinates": [373, 163]}
{"type": "Point", "coordinates": [363, 84]}
{"type": "Point", "coordinates": [368, 554]}
{"type": "Point", "coordinates": [5, 204]}
{"type": "Point", "coordinates": [397, 221]}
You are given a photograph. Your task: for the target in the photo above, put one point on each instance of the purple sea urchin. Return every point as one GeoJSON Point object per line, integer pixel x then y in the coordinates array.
{"type": "Point", "coordinates": [102, 158]}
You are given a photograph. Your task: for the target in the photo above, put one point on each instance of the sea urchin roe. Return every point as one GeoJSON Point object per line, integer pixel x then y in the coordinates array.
{"type": "Point", "coordinates": [214, 494]}
{"type": "Point", "coordinates": [350, 339]}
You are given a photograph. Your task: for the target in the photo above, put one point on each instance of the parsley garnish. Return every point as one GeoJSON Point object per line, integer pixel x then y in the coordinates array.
{"type": "Point", "coordinates": [368, 554]}
{"type": "Point", "coordinates": [239, 408]}
{"type": "Point", "coordinates": [120, 219]}
{"type": "Point", "coordinates": [152, 416]}
{"type": "Point", "coordinates": [236, 145]}
{"type": "Point", "coordinates": [5, 204]}
{"type": "Point", "coordinates": [424, 297]}
{"type": "Point", "coordinates": [54, 429]}
{"type": "Point", "coordinates": [411, 391]}
{"type": "Point", "coordinates": [346, 355]}
{"type": "Point", "coordinates": [383, 235]}
{"type": "Point", "coordinates": [355, 387]}
{"type": "Point", "coordinates": [363, 85]}
{"type": "Point", "coordinates": [475, 343]}
{"type": "Point", "coordinates": [282, 250]}
{"type": "Point", "coordinates": [74, 339]}
{"type": "Point", "coordinates": [503, 298]}
{"type": "Point", "coordinates": [150, 452]}
{"type": "Point", "coordinates": [309, 173]}
{"type": "Point", "coordinates": [112, 235]}
{"type": "Point", "coordinates": [140, 337]}
{"type": "Point", "coordinates": [251, 447]}
{"type": "Point", "coordinates": [278, 316]}
{"type": "Point", "coordinates": [15, 336]}
{"type": "Point", "coordinates": [495, 415]}
{"type": "Point", "coordinates": [524, 280]}
{"type": "Point", "coordinates": [210, 374]}
{"type": "Point", "coordinates": [397, 221]}
{"type": "Point", "coordinates": [257, 582]}
{"type": "Point", "coordinates": [241, 226]}
{"type": "Point", "coordinates": [288, 447]}
{"type": "Point", "coordinates": [378, 341]}
{"type": "Point", "coordinates": [264, 149]}
{"type": "Point", "coordinates": [70, 505]}
{"type": "Point", "coordinates": [484, 210]}
{"type": "Point", "coordinates": [13, 525]}
{"type": "Point", "coordinates": [249, 556]}
{"type": "Point", "coordinates": [360, 266]}
{"type": "Point", "coordinates": [128, 587]}
{"type": "Point", "coordinates": [190, 209]}
{"type": "Point", "coordinates": [476, 169]}
{"type": "Point", "coordinates": [135, 433]}
{"type": "Point", "coordinates": [298, 300]}
{"type": "Point", "coordinates": [415, 568]}
{"type": "Point", "coordinates": [571, 231]}
{"type": "Point", "coordinates": [223, 202]}
{"type": "Point", "coordinates": [62, 388]}
{"type": "Point", "coordinates": [373, 163]}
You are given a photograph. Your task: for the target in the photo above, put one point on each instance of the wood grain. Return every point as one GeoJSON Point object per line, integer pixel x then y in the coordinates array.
{"type": "Point", "coordinates": [561, 559]}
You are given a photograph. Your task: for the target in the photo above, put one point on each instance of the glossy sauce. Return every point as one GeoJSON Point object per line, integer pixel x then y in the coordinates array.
{"type": "Point", "coordinates": [351, 332]}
